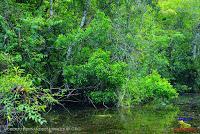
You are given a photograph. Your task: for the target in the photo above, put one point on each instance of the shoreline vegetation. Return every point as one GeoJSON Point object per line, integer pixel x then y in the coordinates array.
{"type": "Point", "coordinates": [121, 53]}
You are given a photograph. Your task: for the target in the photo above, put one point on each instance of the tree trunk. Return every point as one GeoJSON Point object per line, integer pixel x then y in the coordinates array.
{"type": "Point", "coordinates": [195, 45]}
{"type": "Point", "coordinates": [83, 22]}
{"type": "Point", "coordinates": [51, 8]}
{"type": "Point", "coordinates": [87, 4]}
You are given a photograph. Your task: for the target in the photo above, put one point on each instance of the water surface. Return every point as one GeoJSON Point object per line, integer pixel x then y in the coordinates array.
{"type": "Point", "coordinates": [141, 120]}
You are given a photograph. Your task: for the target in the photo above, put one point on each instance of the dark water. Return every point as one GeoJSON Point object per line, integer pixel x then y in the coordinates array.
{"type": "Point", "coordinates": [138, 120]}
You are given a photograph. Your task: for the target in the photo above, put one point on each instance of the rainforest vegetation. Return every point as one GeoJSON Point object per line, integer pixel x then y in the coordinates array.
{"type": "Point", "coordinates": [117, 53]}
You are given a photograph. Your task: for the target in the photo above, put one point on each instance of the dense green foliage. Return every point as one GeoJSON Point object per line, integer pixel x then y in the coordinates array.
{"type": "Point", "coordinates": [99, 77]}
{"type": "Point", "coordinates": [111, 52]}
{"type": "Point", "coordinates": [147, 89]}
{"type": "Point", "coordinates": [19, 99]}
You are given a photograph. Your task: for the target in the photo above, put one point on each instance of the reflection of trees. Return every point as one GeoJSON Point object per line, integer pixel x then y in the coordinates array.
{"type": "Point", "coordinates": [148, 120]}
{"type": "Point", "coordinates": [137, 120]}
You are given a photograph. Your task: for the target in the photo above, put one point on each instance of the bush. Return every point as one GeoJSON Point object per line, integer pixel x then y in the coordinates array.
{"type": "Point", "coordinates": [147, 89]}
{"type": "Point", "coordinates": [107, 97]}
{"type": "Point", "coordinates": [182, 88]}
{"type": "Point", "coordinates": [5, 61]}
{"type": "Point", "coordinates": [99, 73]}
{"type": "Point", "coordinates": [20, 100]}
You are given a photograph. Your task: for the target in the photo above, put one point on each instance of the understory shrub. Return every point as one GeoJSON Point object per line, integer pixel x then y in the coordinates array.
{"type": "Point", "coordinates": [98, 77]}
{"type": "Point", "coordinates": [147, 89]}
{"type": "Point", "coordinates": [20, 100]}
{"type": "Point", "coordinates": [107, 97]}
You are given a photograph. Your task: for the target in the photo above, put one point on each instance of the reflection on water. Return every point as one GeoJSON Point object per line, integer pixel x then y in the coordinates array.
{"type": "Point", "coordinates": [147, 120]}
